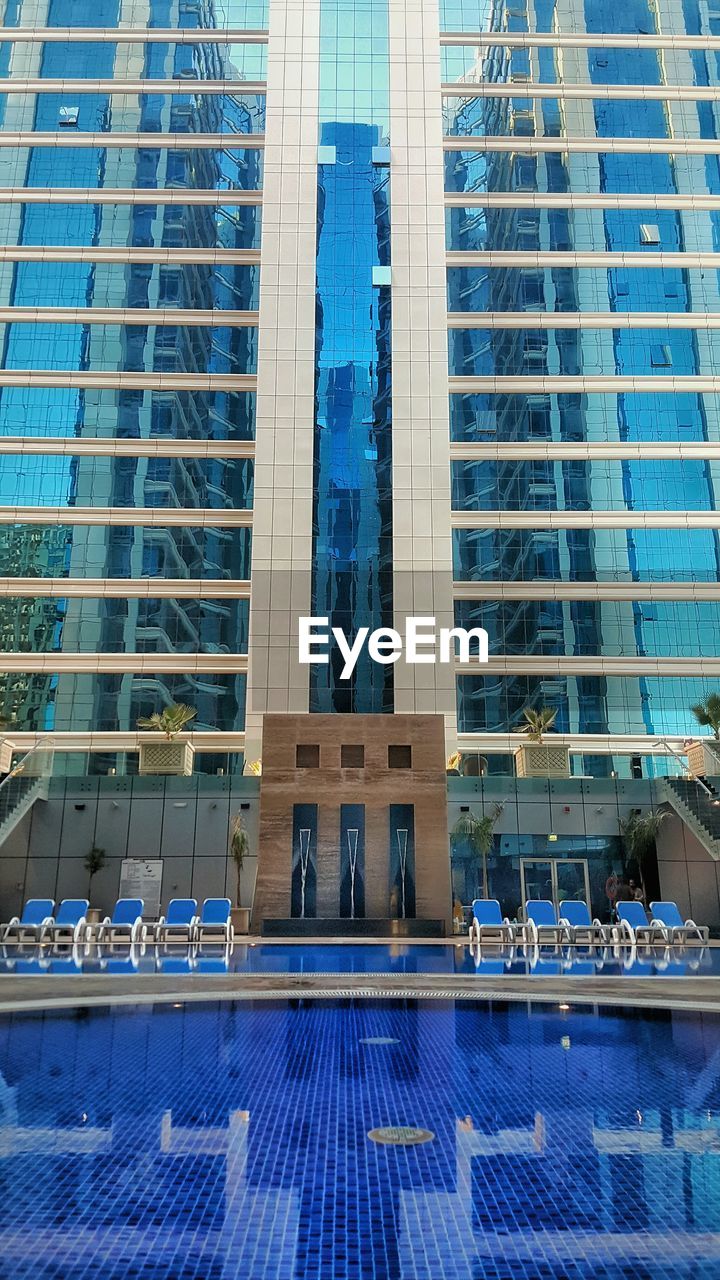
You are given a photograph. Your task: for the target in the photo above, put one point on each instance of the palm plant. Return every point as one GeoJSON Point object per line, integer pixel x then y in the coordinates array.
{"type": "Point", "coordinates": [477, 836]}
{"type": "Point", "coordinates": [170, 721]}
{"type": "Point", "coordinates": [639, 833]}
{"type": "Point", "coordinates": [707, 713]}
{"type": "Point", "coordinates": [239, 849]}
{"type": "Point", "coordinates": [537, 723]}
{"type": "Point", "coordinates": [94, 862]}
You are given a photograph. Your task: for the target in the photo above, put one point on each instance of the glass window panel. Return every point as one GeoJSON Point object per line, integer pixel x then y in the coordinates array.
{"type": "Point", "coordinates": [240, 14]}
{"type": "Point", "coordinates": [132, 61]}
{"type": "Point", "coordinates": [136, 348]}
{"type": "Point", "coordinates": [530, 288]}
{"type": "Point", "coordinates": [575, 352]}
{"type": "Point", "coordinates": [632, 416]}
{"type": "Point", "coordinates": [586, 555]}
{"type": "Point", "coordinates": [213, 483]}
{"type": "Point", "coordinates": [45, 624]}
{"type": "Point", "coordinates": [111, 703]}
{"type": "Point", "coordinates": [117, 551]}
{"type": "Point", "coordinates": [137, 284]}
{"type": "Point", "coordinates": [145, 168]}
{"type": "Point", "coordinates": [586, 172]}
{"type": "Point", "coordinates": [584, 230]}
{"type": "Point", "coordinates": [585, 704]}
{"type": "Point", "coordinates": [578, 485]}
{"type": "Point", "coordinates": [580, 628]}
{"type": "Point", "coordinates": [182, 112]}
{"type": "Point", "coordinates": [140, 225]}
{"type": "Point", "coordinates": [70, 411]}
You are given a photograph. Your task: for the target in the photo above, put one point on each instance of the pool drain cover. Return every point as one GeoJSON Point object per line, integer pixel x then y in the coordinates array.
{"type": "Point", "coordinates": [400, 1136]}
{"type": "Point", "coordinates": [379, 1040]}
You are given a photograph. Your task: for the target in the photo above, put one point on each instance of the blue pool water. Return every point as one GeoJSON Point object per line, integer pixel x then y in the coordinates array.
{"type": "Point", "coordinates": [215, 1143]}
{"type": "Point", "coordinates": [360, 959]}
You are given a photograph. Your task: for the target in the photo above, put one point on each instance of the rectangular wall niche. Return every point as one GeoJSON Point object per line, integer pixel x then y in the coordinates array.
{"type": "Point", "coordinates": [304, 861]}
{"type": "Point", "coordinates": [352, 861]}
{"type": "Point", "coordinates": [402, 862]}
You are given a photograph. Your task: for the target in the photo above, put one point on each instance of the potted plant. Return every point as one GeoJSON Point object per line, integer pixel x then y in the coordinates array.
{"type": "Point", "coordinates": [703, 756]}
{"type": "Point", "coordinates": [7, 748]}
{"type": "Point", "coordinates": [475, 835]}
{"type": "Point", "coordinates": [639, 833]}
{"type": "Point", "coordinates": [536, 758]}
{"type": "Point", "coordinates": [94, 861]}
{"type": "Point", "coordinates": [239, 849]}
{"type": "Point", "coordinates": [166, 756]}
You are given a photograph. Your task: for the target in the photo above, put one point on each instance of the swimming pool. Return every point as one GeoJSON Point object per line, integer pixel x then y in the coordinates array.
{"type": "Point", "coordinates": [213, 1142]}
{"type": "Point", "coordinates": [359, 959]}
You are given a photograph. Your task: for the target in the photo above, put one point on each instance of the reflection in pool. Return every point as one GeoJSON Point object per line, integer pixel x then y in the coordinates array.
{"type": "Point", "coordinates": [370, 958]}
{"type": "Point", "coordinates": [207, 1142]}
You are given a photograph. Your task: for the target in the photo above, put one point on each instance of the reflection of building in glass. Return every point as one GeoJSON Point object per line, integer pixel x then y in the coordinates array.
{"type": "Point", "coordinates": [527, 205]}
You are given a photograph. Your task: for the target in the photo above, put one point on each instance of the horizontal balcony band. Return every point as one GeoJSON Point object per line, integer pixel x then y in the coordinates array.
{"type": "Point", "coordinates": [577, 258]}
{"type": "Point", "coordinates": [550, 665]}
{"type": "Point", "coordinates": [695, 591]}
{"type": "Point", "coordinates": [126, 447]}
{"type": "Point", "coordinates": [126, 253]}
{"type": "Point", "coordinates": [143, 517]}
{"type": "Point", "coordinates": [567, 146]}
{"type": "Point", "coordinates": [115, 87]}
{"type": "Point", "coordinates": [132, 35]}
{"type": "Point", "coordinates": [617, 744]}
{"type": "Point", "coordinates": [212, 742]}
{"type": "Point", "coordinates": [584, 519]}
{"type": "Point", "coordinates": [124, 381]}
{"type": "Point", "coordinates": [126, 315]}
{"type": "Point", "coordinates": [127, 195]}
{"type": "Point", "coordinates": [124, 663]}
{"type": "Point", "coordinates": [126, 588]}
{"type": "Point", "coordinates": [576, 200]}
{"type": "Point", "coordinates": [576, 319]}
{"type": "Point", "coordinates": [147, 141]}
{"type": "Point", "coordinates": [584, 450]}
{"type": "Point", "coordinates": [570, 385]}
{"type": "Point", "coordinates": [534, 40]}
{"type": "Point", "coordinates": [528, 89]}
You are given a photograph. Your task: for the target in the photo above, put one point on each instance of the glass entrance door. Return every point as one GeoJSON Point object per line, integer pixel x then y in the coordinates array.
{"type": "Point", "coordinates": [555, 878]}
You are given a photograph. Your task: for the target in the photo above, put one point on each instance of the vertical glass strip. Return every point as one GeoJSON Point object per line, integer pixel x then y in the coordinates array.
{"type": "Point", "coordinates": [352, 516]}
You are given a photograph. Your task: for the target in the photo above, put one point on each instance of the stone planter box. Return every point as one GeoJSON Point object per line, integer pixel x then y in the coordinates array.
{"type": "Point", "coordinates": [542, 760]}
{"type": "Point", "coordinates": [240, 917]}
{"type": "Point", "coordinates": [704, 758]}
{"type": "Point", "coordinates": [7, 750]}
{"type": "Point", "coordinates": [171, 759]}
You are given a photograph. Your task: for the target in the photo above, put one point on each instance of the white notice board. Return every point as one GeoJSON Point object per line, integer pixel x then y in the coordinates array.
{"type": "Point", "coordinates": [142, 878]}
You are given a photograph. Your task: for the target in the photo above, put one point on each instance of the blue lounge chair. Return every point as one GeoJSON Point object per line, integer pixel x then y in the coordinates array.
{"type": "Point", "coordinates": [215, 924]}
{"type": "Point", "coordinates": [676, 929]}
{"type": "Point", "coordinates": [180, 922]}
{"type": "Point", "coordinates": [489, 924]}
{"type": "Point", "coordinates": [31, 925]}
{"type": "Point", "coordinates": [125, 924]}
{"type": "Point", "coordinates": [634, 927]}
{"type": "Point", "coordinates": [543, 926]}
{"type": "Point", "coordinates": [586, 932]}
{"type": "Point", "coordinates": [70, 923]}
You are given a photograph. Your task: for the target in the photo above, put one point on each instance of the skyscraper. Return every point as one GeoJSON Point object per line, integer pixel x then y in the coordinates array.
{"type": "Point", "coordinates": [420, 301]}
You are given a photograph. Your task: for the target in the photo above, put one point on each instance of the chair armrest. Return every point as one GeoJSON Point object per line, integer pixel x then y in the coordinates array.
{"type": "Point", "coordinates": [12, 923]}
{"type": "Point", "coordinates": [159, 923]}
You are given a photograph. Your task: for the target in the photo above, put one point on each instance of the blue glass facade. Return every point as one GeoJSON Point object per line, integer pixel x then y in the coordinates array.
{"type": "Point", "coordinates": [352, 534]}
{"type": "Point", "coordinates": [528, 201]}
{"type": "Point", "coordinates": [103, 348]}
